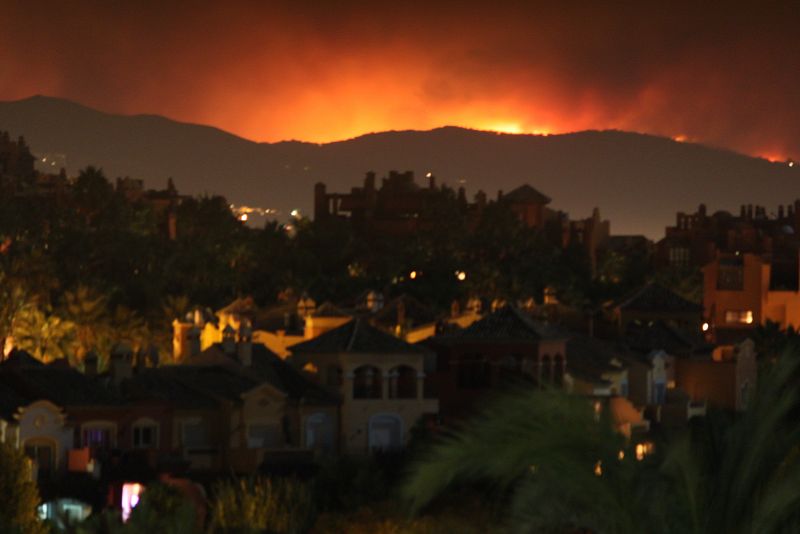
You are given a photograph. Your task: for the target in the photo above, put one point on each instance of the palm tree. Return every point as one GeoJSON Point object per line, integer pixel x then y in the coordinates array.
{"type": "Point", "coordinates": [46, 336]}
{"type": "Point", "coordinates": [563, 470]}
{"type": "Point", "coordinates": [745, 477]}
{"type": "Point", "coordinates": [88, 311]}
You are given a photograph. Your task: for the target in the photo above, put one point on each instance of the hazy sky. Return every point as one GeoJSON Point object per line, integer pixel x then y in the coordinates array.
{"type": "Point", "coordinates": [322, 71]}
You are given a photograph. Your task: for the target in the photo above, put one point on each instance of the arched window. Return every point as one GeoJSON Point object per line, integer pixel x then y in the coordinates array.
{"type": "Point", "coordinates": [145, 433]}
{"type": "Point", "coordinates": [367, 382]}
{"type": "Point", "coordinates": [99, 435]}
{"type": "Point", "coordinates": [403, 383]}
{"type": "Point", "coordinates": [385, 432]}
{"type": "Point", "coordinates": [43, 452]}
{"type": "Point", "coordinates": [558, 369]}
{"type": "Point", "coordinates": [319, 432]}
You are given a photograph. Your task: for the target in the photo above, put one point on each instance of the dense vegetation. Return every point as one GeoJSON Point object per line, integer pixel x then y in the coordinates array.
{"type": "Point", "coordinates": [83, 267]}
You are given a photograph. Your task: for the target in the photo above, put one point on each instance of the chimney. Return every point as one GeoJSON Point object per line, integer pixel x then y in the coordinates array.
{"type": "Point", "coordinates": [120, 365]}
{"type": "Point", "coordinates": [702, 211]}
{"type": "Point", "coordinates": [499, 195]}
{"type": "Point", "coordinates": [321, 210]}
{"type": "Point", "coordinates": [780, 212]}
{"type": "Point", "coordinates": [229, 340]}
{"type": "Point", "coordinates": [480, 198]}
{"type": "Point", "coordinates": [244, 348]}
{"type": "Point", "coordinates": [431, 181]}
{"type": "Point", "coordinates": [750, 212]}
{"type": "Point", "coordinates": [193, 341]}
{"type": "Point", "coordinates": [369, 182]}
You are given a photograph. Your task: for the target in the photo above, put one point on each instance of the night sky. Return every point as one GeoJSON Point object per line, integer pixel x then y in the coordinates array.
{"type": "Point", "coordinates": [326, 71]}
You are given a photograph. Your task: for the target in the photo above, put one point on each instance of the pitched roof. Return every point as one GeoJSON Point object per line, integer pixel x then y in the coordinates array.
{"type": "Point", "coordinates": [659, 336]}
{"type": "Point", "coordinates": [524, 194]}
{"type": "Point", "coordinates": [329, 309]}
{"type": "Point", "coordinates": [166, 386]}
{"type": "Point", "coordinates": [10, 400]}
{"type": "Point", "coordinates": [61, 385]}
{"type": "Point", "coordinates": [656, 298]}
{"type": "Point", "coordinates": [21, 358]}
{"type": "Point", "coordinates": [507, 324]}
{"type": "Point", "coordinates": [267, 367]}
{"type": "Point", "coordinates": [413, 311]}
{"type": "Point", "coordinates": [356, 336]}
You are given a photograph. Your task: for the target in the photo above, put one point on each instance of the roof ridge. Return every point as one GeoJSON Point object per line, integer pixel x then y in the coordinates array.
{"type": "Point", "coordinates": [351, 342]}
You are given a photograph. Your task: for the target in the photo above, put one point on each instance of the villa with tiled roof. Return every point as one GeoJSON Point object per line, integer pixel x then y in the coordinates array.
{"type": "Point", "coordinates": [381, 380]}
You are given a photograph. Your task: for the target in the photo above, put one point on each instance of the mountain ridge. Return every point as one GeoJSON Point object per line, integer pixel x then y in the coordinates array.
{"type": "Point", "coordinates": [638, 180]}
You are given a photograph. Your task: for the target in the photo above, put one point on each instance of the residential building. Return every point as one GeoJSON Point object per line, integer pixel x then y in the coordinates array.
{"type": "Point", "coordinates": [380, 379]}
{"type": "Point", "coordinates": [654, 302]}
{"type": "Point", "coordinates": [697, 238]}
{"type": "Point", "coordinates": [504, 346]}
{"type": "Point", "coordinates": [742, 291]}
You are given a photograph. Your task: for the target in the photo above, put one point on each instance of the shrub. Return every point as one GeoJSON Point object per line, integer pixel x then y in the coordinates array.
{"type": "Point", "coordinates": [277, 506]}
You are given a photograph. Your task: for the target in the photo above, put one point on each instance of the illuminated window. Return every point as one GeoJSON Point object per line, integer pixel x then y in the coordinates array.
{"type": "Point", "coordinates": [644, 449]}
{"type": "Point", "coordinates": [739, 317]}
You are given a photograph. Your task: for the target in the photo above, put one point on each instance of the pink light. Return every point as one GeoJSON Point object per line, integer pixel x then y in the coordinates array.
{"type": "Point", "coordinates": [131, 492]}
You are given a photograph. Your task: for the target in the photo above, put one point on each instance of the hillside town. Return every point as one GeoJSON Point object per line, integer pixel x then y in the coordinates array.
{"type": "Point", "coordinates": [153, 337]}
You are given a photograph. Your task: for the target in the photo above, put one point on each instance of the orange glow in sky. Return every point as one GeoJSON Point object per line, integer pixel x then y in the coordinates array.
{"type": "Point", "coordinates": [320, 72]}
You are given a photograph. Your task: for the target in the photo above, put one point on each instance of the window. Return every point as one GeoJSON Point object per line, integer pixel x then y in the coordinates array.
{"type": "Point", "coordinates": [385, 432]}
{"type": "Point", "coordinates": [739, 316]}
{"type": "Point", "coordinates": [264, 436]}
{"type": "Point", "coordinates": [99, 436]}
{"type": "Point", "coordinates": [679, 256]}
{"type": "Point", "coordinates": [42, 452]}
{"type": "Point", "coordinates": [731, 276]}
{"type": "Point", "coordinates": [319, 432]}
{"type": "Point", "coordinates": [402, 383]}
{"type": "Point", "coordinates": [145, 434]}
{"type": "Point", "coordinates": [367, 383]}
{"type": "Point", "coordinates": [194, 434]}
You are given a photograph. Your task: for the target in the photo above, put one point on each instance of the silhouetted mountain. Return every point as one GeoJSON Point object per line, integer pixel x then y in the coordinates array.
{"type": "Point", "coordinates": [638, 181]}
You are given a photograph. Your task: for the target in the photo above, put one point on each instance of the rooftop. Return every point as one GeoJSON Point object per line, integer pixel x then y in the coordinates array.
{"type": "Point", "coordinates": [356, 336]}
{"type": "Point", "coordinates": [656, 298]}
{"type": "Point", "coordinates": [507, 324]}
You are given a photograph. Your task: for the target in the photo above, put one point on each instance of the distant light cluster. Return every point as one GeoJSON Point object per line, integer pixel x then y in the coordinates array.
{"type": "Point", "coordinates": [244, 213]}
